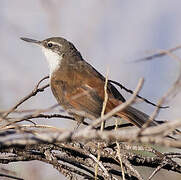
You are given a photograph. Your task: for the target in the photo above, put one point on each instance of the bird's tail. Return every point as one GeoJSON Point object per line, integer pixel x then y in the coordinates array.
{"type": "Point", "coordinates": [135, 116]}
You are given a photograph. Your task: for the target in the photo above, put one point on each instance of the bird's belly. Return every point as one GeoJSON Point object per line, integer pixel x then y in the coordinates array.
{"type": "Point", "coordinates": [59, 91]}
{"type": "Point", "coordinates": [78, 99]}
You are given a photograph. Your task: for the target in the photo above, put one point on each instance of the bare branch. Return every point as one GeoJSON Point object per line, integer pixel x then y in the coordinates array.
{"type": "Point", "coordinates": [33, 93]}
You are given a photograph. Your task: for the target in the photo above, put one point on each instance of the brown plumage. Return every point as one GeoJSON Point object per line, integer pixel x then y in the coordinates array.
{"type": "Point", "coordinates": [77, 85]}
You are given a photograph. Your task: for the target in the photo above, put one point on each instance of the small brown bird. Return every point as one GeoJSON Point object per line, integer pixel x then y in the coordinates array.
{"type": "Point", "coordinates": [77, 85]}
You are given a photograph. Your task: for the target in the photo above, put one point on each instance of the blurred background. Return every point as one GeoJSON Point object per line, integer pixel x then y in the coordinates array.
{"type": "Point", "coordinates": [109, 34]}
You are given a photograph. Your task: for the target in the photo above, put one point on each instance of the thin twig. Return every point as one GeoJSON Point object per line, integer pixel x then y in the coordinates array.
{"type": "Point", "coordinates": [118, 108]}
{"type": "Point", "coordinates": [118, 153]}
{"type": "Point", "coordinates": [140, 97]}
{"type": "Point", "coordinates": [160, 53]}
{"type": "Point", "coordinates": [156, 170]}
{"type": "Point", "coordinates": [10, 176]}
{"type": "Point", "coordinates": [166, 95]}
{"type": "Point", "coordinates": [33, 93]}
{"type": "Point", "coordinates": [102, 124]}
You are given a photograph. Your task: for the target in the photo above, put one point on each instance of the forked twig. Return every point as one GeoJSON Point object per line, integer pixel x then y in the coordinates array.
{"type": "Point", "coordinates": [33, 93]}
{"type": "Point", "coordinates": [166, 95]}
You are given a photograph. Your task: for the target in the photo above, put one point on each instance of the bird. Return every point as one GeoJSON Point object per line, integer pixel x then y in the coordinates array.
{"type": "Point", "coordinates": [77, 85]}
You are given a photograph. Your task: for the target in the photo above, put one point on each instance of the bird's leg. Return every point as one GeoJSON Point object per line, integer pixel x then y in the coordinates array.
{"type": "Point", "coordinates": [79, 119]}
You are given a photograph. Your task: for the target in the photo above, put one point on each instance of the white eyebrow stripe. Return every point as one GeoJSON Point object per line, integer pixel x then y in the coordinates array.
{"type": "Point", "coordinates": [55, 43]}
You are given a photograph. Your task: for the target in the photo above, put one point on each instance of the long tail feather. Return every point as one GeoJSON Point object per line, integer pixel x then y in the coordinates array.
{"type": "Point", "coordinates": [135, 116]}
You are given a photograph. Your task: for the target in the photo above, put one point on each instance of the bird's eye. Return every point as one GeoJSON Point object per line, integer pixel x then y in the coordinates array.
{"type": "Point", "coordinates": [50, 45]}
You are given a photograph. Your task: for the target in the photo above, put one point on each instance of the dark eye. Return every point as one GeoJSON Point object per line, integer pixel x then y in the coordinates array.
{"type": "Point", "coordinates": [50, 45]}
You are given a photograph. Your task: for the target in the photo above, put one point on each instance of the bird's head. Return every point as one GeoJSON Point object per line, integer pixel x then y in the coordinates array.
{"type": "Point", "coordinates": [54, 49]}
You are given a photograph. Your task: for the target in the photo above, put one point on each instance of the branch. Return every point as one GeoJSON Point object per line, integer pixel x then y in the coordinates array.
{"type": "Point", "coordinates": [33, 93]}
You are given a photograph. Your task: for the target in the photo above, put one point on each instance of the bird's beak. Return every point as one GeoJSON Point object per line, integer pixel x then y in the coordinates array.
{"type": "Point", "coordinates": [31, 40]}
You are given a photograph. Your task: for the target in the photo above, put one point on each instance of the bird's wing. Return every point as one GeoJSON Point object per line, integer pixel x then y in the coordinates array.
{"type": "Point", "coordinates": [97, 80]}
{"type": "Point", "coordinates": [88, 92]}
{"type": "Point", "coordinates": [92, 84]}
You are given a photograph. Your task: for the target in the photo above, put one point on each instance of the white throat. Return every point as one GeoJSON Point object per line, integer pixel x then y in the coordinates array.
{"type": "Point", "coordinates": [54, 60]}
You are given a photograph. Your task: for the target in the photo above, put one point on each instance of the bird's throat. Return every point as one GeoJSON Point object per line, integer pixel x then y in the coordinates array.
{"type": "Point", "coordinates": [53, 59]}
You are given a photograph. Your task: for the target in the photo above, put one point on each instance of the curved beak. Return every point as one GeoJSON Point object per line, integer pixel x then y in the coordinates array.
{"type": "Point", "coordinates": [31, 40]}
